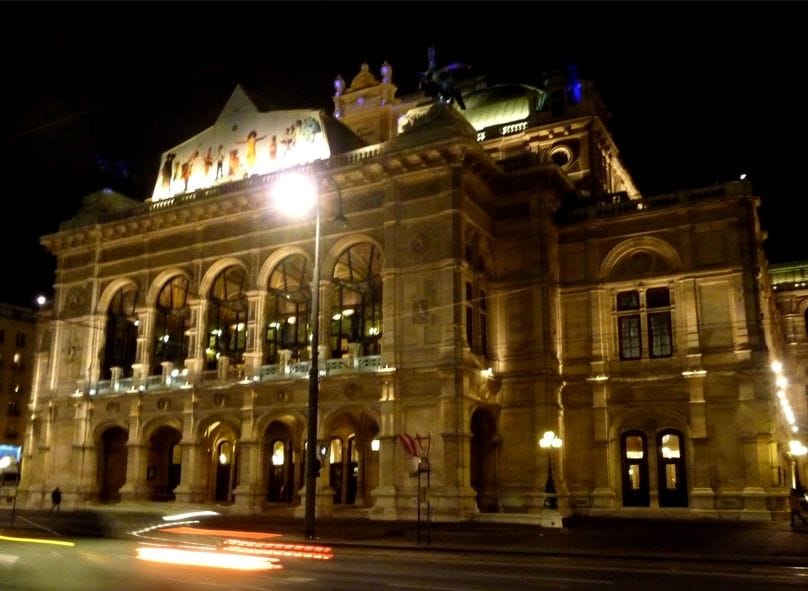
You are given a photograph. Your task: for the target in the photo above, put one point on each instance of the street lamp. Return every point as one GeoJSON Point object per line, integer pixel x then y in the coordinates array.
{"type": "Point", "coordinates": [298, 193]}
{"type": "Point", "coordinates": [549, 441]}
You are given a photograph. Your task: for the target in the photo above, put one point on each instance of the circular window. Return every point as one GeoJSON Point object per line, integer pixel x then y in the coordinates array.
{"type": "Point", "coordinates": [561, 155]}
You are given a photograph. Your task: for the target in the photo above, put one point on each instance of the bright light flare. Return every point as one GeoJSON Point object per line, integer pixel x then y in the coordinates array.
{"type": "Point", "coordinates": [294, 194]}
{"type": "Point", "coordinates": [179, 556]}
{"type": "Point", "coordinates": [190, 515]}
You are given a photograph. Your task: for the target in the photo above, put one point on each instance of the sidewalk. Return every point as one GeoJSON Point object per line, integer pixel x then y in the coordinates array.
{"type": "Point", "coordinates": [707, 539]}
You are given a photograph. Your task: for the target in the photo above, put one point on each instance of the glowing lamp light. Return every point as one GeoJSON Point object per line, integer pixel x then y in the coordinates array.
{"type": "Point", "coordinates": [549, 439]}
{"type": "Point", "coordinates": [294, 194]}
{"type": "Point", "coordinates": [375, 445]}
{"type": "Point", "coordinates": [797, 448]}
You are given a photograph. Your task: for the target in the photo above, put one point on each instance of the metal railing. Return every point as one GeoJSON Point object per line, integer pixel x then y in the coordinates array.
{"type": "Point", "coordinates": [265, 373]}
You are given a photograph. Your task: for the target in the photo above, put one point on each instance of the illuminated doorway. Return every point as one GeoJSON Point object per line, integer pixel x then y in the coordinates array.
{"type": "Point", "coordinates": [634, 448]}
{"type": "Point", "coordinates": [671, 469]}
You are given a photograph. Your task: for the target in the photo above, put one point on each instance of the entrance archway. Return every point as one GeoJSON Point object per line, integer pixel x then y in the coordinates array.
{"type": "Point", "coordinates": [112, 464]}
{"type": "Point", "coordinates": [279, 454]}
{"type": "Point", "coordinates": [165, 462]}
{"type": "Point", "coordinates": [483, 461]}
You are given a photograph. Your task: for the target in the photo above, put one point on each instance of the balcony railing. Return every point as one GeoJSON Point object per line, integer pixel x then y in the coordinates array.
{"type": "Point", "coordinates": [265, 373]}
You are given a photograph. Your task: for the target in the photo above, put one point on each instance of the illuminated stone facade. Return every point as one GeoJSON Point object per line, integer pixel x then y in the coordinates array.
{"type": "Point", "coordinates": [500, 276]}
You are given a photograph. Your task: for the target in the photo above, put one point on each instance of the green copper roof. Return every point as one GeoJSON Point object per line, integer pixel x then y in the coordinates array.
{"type": "Point", "coordinates": [502, 104]}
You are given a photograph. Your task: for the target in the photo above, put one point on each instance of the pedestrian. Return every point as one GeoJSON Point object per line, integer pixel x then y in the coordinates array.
{"type": "Point", "coordinates": [795, 500]}
{"type": "Point", "coordinates": [56, 500]}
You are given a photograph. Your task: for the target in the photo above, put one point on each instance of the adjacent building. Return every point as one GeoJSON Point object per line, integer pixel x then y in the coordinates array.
{"type": "Point", "coordinates": [500, 276]}
{"type": "Point", "coordinates": [17, 331]}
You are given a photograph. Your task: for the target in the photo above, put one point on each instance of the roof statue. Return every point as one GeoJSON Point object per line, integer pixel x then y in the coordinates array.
{"type": "Point", "coordinates": [439, 82]}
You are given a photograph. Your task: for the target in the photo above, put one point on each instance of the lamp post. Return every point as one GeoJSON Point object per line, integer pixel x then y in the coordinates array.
{"type": "Point", "coordinates": [550, 516]}
{"type": "Point", "coordinates": [297, 193]}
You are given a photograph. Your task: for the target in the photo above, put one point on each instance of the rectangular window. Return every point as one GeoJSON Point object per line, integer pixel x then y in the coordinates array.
{"type": "Point", "coordinates": [655, 316]}
{"type": "Point", "coordinates": [630, 339]}
{"type": "Point", "coordinates": [20, 340]}
{"type": "Point", "coordinates": [659, 334]}
{"type": "Point", "coordinates": [628, 300]}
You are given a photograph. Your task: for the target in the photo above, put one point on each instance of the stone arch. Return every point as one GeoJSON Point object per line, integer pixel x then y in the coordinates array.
{"type": "Point", "coordinates": [111, 290]}
{"type": "Point", "coordinates": [640, 256]}
{"type": "Point", "coordinates": [351, 464]}
{"type": "Point", "coordinates": [160, 281]}
{"type": "Point", "coordinates": [149, 427]}
{"type": "Point", "coordinates": [273, 260]}
{"type": "Point", "coordinates": [220, 434]}
{"type": "Point", "coordinates": [343, 244]}
{"type": "Point", "coordinates": [214, 270]}
{"type": "Point", "coordinates": [295, 420]}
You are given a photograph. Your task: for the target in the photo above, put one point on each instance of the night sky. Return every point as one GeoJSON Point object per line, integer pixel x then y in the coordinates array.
{"type": "Point", "coordinates": [95, 92]}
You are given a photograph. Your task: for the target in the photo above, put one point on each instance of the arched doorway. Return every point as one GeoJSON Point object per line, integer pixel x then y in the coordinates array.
{"type": "Point", "coordinates": [352, 457]}
{"type": "Point", "coordinates": [112, 464]}
{"type": "Point", "coordinates": [671, 469]}
{"type": "Point", "coordinates": [281, 463]}
{"type": "Point", "coordinates": [165, 461]}
{"type": "Point", "coordinates": [634, 462]}
{"type": "Point", "coordinates": [220, 438]}
{"type": "Point", "coordinates": [483, 461]}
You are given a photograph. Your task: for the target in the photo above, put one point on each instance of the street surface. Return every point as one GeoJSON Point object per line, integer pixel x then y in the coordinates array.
{"type": "Point", "coordinates": [113, 565]}
{"type": "Point", "coordinates": [144, 549]}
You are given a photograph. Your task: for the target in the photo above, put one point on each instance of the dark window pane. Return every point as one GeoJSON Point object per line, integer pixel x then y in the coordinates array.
{"type": "Point", "coordinates": [658, 297]}
{"type": "Point", "coordinates": [628, 300]}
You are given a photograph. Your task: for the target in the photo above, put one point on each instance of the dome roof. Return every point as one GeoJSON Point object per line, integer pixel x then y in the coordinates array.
{"type": "Point", "coordinates": [502, 104]}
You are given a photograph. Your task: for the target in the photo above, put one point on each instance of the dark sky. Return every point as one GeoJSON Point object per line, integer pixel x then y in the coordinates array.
{"type": "Point", "coordinates": [95, 92]}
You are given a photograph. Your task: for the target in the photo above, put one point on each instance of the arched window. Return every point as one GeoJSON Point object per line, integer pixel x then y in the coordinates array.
{"type": "Point", "coordinates": [227, 318]}
{"type": "Point", "coordinates": [288, 305]}
{"type": "Point", "coordinates": [171, 322]}
{"type": "Point", "coordinates": [121, 332]}
{"type": "Point", "coordinates": [356, 305]}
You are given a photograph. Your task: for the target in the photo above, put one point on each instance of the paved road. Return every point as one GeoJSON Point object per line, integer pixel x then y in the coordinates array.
{"type": "Point", "coordinates": [704, 539]}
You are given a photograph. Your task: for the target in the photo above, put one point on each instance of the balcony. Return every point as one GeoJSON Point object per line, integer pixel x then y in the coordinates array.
{"type": "Point", "coordinates": [215, 379]}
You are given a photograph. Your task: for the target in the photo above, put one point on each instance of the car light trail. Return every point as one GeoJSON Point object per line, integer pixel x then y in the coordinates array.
{"type": "Point", "coordinates": [207, 559]}
{"type": "Point", "coordinates": [222, 533]}
{"type": "Point", "coordinates": [279, 549]}
{"type": "Point", "coordinates": [37, 541]}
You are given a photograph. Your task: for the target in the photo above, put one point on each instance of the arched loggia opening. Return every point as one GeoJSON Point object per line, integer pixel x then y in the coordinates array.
{"type": "Point", "coordinates": [164, 464]}
{"type": "Point", "coordinates": [112, 459]}
{"type": "Point", "coordinates": [484, 450]}
{"type": "Point", "coordinates": [279, 453]}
